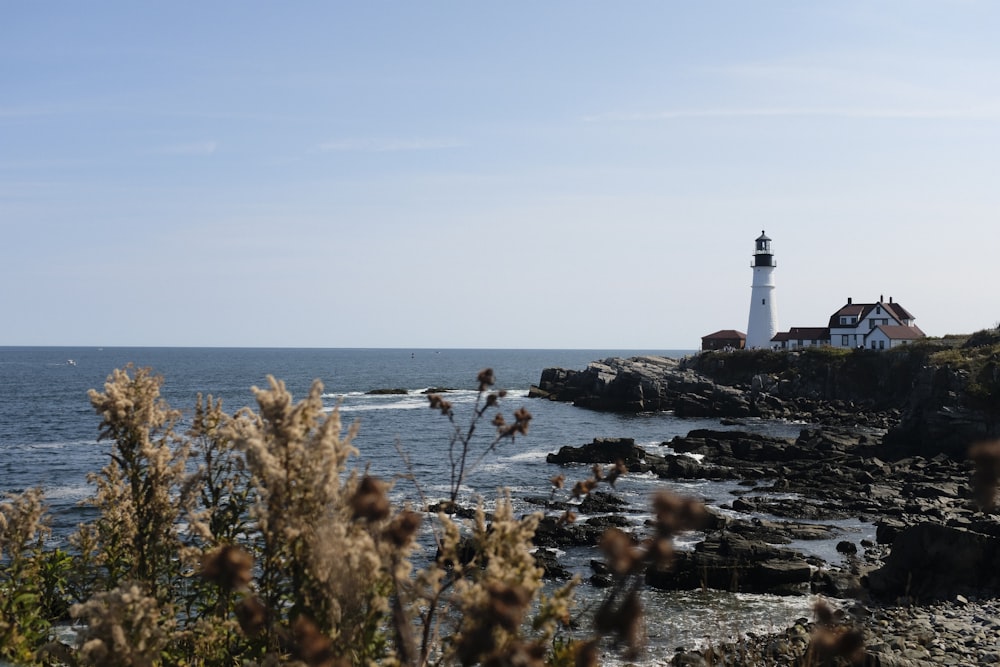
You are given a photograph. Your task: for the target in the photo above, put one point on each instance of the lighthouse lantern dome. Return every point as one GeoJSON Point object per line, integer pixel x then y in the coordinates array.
{"type": "Point", "coordinates": [762, 251]}
{"type": "Point", "coordinates": [763, 245]}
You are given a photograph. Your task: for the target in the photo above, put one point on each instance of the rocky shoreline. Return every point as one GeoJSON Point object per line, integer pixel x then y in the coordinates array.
{"type": "Point", "coordinates": [922, 592]}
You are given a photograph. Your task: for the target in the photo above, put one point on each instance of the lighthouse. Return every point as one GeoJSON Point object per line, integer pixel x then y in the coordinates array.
{"type": "Point", "coordinates": [763, 322]}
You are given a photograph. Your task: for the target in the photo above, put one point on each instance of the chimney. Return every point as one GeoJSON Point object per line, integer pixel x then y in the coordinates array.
{"type": "Point", "coordinates": [890, 299]}
{"type": "Point", "coordinates": [881, 298]}
{"type": "Point", "coordinates": [848, 301]}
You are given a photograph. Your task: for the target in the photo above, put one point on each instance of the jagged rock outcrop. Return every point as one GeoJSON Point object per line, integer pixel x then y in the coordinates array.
{"type": "Point", "coordinates": [727, 561]}
{"type": "Point", "coordinates": [934, 561]}
{"type": "Point", "coordinates": [937, 416]}
{"type": "Point", "coordinates": [638, 384]}
{"type": "Point", "coordinates": [927, 409]}
{"type": "Point", "coordinates": [696, 387]}
{"type": "Point", "coordinates": [650, 384]}
{"type": "Point", "coordinates": [601, 450]}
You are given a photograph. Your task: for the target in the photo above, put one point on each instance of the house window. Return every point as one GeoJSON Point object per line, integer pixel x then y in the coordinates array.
{"type": "Point", "coordinates": [843, 340]}
{"type": "Point", "coordinates": [881, 345]}
{"type": "Point", "coordinates": [871, 324]}
{"type": "Point", "coordinates": [878, 310]}
{"type": "Point", "coordinates": [763, 302]}
{"type": "Point", "coordinates": [873, 345]}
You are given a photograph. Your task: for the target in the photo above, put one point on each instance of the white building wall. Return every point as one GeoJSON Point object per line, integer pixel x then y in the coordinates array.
{"type": "Point", "coordinates": [855, 337]}
{"type": "Point", "coordinates": [876, 340]}
{"type": "Point", "coordinates": [882, 341]}
{"type": "Point", "coordinates": [877, 316]}
{"type": "Point", "coordinates": [763, 321]}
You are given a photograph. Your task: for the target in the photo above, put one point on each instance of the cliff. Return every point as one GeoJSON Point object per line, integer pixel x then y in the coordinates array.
{"type": "Point", "coordinates": [936, 396]}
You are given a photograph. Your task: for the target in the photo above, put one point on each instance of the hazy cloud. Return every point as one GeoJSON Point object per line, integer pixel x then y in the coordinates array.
{"type": "Point", "coordinates": [193, 148]}
{"type": "Point", "coordinates": [970, 113]}
{"type": "Point", "coordinates": [388, 145]}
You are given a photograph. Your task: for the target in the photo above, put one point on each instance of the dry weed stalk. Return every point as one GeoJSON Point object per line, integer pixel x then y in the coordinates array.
{"type": "Point", "coordinates": [833, 643]}
{"type": "Point", "coordinates": [220, 513]}
{"type": "Point", "coordinates": [23, 621]}
{"type": "Point", "coordinates": [482, 586]}
{"type": "Point", "coordinates": [986, 478]}
{"type": "Point", "coordinates": [137, 532]}
{"type": "Point", "coordinates": [485, 597]}
{"type": "Point", "coordinates": [460, 443]}
{"type": "Point", "coordinates": [620, 614]}
{"type": "Point", "coordinates": [320, 557]}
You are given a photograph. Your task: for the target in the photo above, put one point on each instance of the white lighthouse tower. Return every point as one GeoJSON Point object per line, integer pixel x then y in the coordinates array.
{"type": "Point", "coordinates": [763, 322]}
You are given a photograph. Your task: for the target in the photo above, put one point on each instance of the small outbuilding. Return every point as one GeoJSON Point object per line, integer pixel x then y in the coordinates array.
{"type": "Point", "coordinates": [724, 339]}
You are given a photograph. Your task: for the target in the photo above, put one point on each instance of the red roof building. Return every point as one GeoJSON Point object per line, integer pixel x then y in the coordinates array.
{"type": "Point", "coordinates": [724, 339]}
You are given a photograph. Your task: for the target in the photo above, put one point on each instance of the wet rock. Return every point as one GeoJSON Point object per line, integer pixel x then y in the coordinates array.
{"type": "Point", "coordinates": [552, 532]}
{"type": "Point", "coordinates": [548, 560]}
{"type": "Point", "coordinates": [847, 547]}
{"type": "Point", "coordinates": [734, 563]}
{"type": "Point", "coordinates": [686, 467]}
{"type": "Point", "coordinates": [601, 502]}
{"type": "Point", "coordinates": [601, 450]}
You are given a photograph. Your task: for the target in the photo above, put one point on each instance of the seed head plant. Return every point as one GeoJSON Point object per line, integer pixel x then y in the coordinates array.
{"type": "Point", "coordinates": [137, 531]}
{"type": "Point", "coordinates": [319, 559]}
{"type": "Point", "coordinates": [23, 619]}
{"type": "Point", "coordinates": [255, 539]}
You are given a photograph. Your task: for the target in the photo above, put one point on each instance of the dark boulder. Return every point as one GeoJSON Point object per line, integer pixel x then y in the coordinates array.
{"type": "Point", "coordinates": [601, 450]}
{"type": "Point", "coordinates": [733, 563]}
{"type": "Point", "coordinates": [601, 502]}
{"type": "Point", "coordinates": [847, 547]}
{"type": "Point", "coordinates": [548, 560]}
{"type": "Point", "coordinates": [932, 561]}
{"type": "Point", "coordinates": [552, 532]}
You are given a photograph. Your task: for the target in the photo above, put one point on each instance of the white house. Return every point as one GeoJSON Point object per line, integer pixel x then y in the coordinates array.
{"type": "Point", "coordinates": [877, 326]}
{"type": "Point", "coordinates": [855, 323]}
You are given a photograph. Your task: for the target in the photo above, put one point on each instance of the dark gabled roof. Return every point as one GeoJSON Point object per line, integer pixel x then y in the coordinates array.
{"type": "Point", "coordinates": [810, 333]}
{"type": "Point", "coordinates": [803, 333]}
{"type": "Point", "coordinates": [853, 309]}
{"type": "Point", "coordinates": [850, 310]}
{"type": "Point", "coordinates": [861, 311]}
{"type": "Point", "coordinates": [900, 332]}
{"type": "Point", "coordinates": [725, 334]}
{"type": "Point", "coordinates": [897, 311]}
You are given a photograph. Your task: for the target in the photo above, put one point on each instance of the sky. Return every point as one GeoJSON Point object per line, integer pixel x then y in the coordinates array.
{"type": "Point", "coordinates": [561, 174]}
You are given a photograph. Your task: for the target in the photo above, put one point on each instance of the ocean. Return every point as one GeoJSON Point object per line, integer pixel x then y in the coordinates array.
{"type": "Point", "coordinates": [48, 438]}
